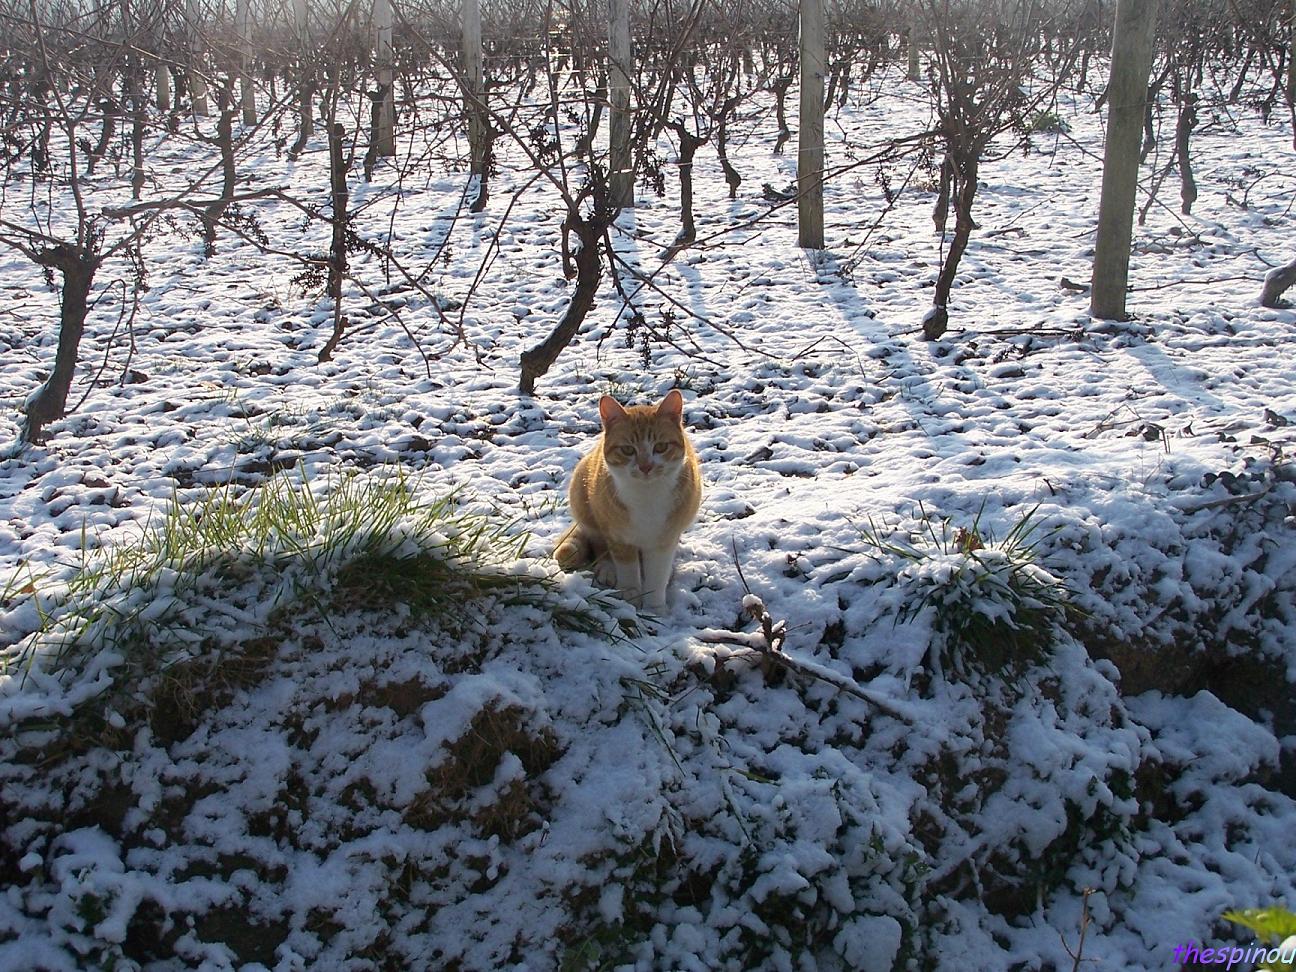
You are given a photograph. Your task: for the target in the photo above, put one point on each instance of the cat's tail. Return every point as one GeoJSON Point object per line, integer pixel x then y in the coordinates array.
{"type": "Point", "coordinates": [574, 549]}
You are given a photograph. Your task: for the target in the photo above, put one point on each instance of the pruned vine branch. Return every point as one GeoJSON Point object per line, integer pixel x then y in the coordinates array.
{"type": "Point", "coordinates": [767, 643]}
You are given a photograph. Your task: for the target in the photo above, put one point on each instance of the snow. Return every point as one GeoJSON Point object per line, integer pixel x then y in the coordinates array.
{"type": "Point", "coordinates": [517, 794]}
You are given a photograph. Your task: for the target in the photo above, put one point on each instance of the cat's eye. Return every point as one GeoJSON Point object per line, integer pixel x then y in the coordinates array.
{"type": "Point", "coordinates": [661, 447]}
{"type": "Point", "coordinates": [626, 450]}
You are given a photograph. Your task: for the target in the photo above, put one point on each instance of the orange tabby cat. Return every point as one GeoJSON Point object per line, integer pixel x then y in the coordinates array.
{"type": "Point", "coordinates": [632, 496]}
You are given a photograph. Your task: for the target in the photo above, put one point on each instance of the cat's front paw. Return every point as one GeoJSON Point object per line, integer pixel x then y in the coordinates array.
{"type": "Point", "coordinates": [605, 573]}
{"type": "Point", "coordinates": [568, 555]}
{"type": "Point", "coordinates": [655, 604]}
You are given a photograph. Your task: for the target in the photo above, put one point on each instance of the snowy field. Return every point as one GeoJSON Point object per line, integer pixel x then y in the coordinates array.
{"type": "Point", "coordinates": [509, 792]}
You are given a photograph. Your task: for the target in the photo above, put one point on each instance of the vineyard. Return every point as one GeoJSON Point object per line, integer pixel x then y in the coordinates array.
{"type": "Point", "coordinates": [981, 652]}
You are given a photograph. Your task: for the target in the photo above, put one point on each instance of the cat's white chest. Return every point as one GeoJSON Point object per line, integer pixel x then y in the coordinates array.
{"type": "Point", "coordinates": [650, 504]}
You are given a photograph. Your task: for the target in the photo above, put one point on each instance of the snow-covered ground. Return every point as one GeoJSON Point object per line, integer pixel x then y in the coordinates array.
{"type": "Point", "coordinates": [523, 795]}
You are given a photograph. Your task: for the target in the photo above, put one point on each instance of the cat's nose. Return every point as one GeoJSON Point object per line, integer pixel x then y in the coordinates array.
{"type": "Point", "coordinates": [645, 467]}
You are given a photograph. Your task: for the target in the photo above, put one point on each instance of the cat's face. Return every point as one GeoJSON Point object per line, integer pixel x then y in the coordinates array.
{"type": "Point", "coordinates": [643, 442]}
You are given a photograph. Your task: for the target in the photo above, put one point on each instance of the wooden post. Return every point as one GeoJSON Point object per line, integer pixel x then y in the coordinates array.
{"type": "Point", "coordinates": [161, 70]}
{"type": "Point", "coordinates": [915, 50]}
{"type": "Point", "coordinates": [620, 165]}
{"type": "Point", "coordinates": [197, 84]}
{"type": "Point", "coordinates": [386, 128]}
{"type": "Point", "coordinates": [475, 88]}
{"type": "Point", "coordinates": [1132, 49]}
{"type": "Point", "coordinates": [302, 17]}
{"type": "Point", "coordinates": [136, 79]}
{"type": "Point", "coordinates": [163, 78]}
{"type": "Point", "coordinates": [1291, 65]}
{"type": "Point", "coordinates": [810, 138]}
{"type": "Point", "coordinates": [306, 96]}
{"type": "Point", "coordinates": [247, 92]}
{"type": "Point", "coordinates": [1291, 52]}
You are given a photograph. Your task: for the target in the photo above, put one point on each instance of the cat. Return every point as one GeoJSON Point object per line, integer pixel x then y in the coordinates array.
{"type": "Point", "coordinates": [632, 496]}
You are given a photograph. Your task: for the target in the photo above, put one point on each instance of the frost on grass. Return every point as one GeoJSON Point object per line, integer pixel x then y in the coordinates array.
{"type": "Point", "coordinates": [379, 783]}
{"type": "Point", "coordinates": [222, 570]}
{"type": "Point", "coordinates": [506, 773]}
{"type": "Point", "coordinates": [484, 786]}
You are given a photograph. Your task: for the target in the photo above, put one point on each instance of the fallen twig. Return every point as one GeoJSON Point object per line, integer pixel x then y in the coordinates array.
{"type": "Point", "coordinates": [768, 644]}
{"type": "Point", "coordinates": [1085, 919]}
{"type": "Point", "coordinates": [1188, 505]}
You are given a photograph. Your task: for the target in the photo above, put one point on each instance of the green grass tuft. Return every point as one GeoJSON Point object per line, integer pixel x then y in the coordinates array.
{"type": "Point", "coordinates": [228, 566]}
{"type": "Point", "coordinates": [993, 608]}
{"type": "Point", "coordinates": [1048, 123]}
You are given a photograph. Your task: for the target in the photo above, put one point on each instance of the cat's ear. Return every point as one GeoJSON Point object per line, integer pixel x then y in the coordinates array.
{"type": "Point", "coordinates": [672, 406]}
{"type": "Point", "coordinates": [610, 410]}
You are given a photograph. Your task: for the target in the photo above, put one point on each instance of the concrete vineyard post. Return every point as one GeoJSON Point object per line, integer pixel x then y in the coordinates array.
{"type": "Point", "coordinates": [385, 129]}
{"type": "Point", "coordinates": [475, 88]}
{"type": "Point", "coordinates": [810, 144]}
{"type": "Point", "coordinates": [620, 165]}
{"type": "Point", "coordinates": [1132, 48]}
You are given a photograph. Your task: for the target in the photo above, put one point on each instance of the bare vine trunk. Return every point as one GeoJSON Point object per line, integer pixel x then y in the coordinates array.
{"type": "Point", "coordinates": [1183, 131]}
{"type": "Point", "coordinates": [780, 89]}
{"type": "Point", "coordinates": [1149, 123]}
{"type": "Point", "coordinates": [940, 212]}
{"type": "Point", "coordinates": [584, 144]}
{"type": "Point", "coordinates": [137, 132]}
{"type": "Point", "coordinates": [688, 143]}
{"type": "Point", "coordinates": [229, 176]}
{"type": "Point", "coordinates": [305, 116]}
{"type": "Point", "coordinates": [537, 361]}
{"type": "Point", "coordinates": [40, 151]}
{"type": "Point", "coordinates": [109, 108]}
{"type": "Point", "coordinates": [1276, 281]}
{"type": "Point", "coordinates": [337, 249]}
{"type": "Point", "coordinates": [77, 267]}
{"type": "Point", "coordinates": [733, 178]}
{"type": "Point", "coordinates": [838, 83]}
{"type": "Point", "coordinates": [964, 179]}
